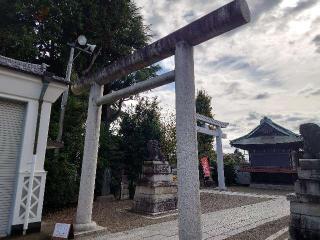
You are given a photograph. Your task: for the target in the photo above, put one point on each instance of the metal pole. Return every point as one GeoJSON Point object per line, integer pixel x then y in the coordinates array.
{"type": "Point", "coordinates": [64, 99]}
{"type": "Point", "coordinates": [220, 165]}
{"type": "Point", "coordinates": [187, 149]}
{"type": "Point", "coordinates": [89, 163]}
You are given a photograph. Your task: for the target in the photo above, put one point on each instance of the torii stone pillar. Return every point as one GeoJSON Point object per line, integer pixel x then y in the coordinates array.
{"type": "Point", "coordinates": [220, 165]}
{"type": "Point", "coordinates": [187, 149]}
{"type": "Point", "coordinates": [89, 163]}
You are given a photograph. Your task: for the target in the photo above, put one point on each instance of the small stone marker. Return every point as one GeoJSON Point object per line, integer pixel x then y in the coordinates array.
{"type": "Point", "coordinates": [63, 231]}
{"type": "Point", "coordinates": [124, 194]}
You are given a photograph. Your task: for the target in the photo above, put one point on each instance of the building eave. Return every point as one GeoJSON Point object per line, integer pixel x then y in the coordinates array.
{"type": "Point", "coordinates": [30, 68]}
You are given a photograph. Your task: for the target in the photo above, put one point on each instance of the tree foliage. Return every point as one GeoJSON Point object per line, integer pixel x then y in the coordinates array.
{"type": "Point", "coordinates": [205, 142]}
{"type": "Point", "coordinates": [38, 31]}
{"type": "Point", "coordinates": [231, 160]}
{"type": "Point", "coordinates": [137, 127]}
{"type": "Point", "coordinates": [169, 140]}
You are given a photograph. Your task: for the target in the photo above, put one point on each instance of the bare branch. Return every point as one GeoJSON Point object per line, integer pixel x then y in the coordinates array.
{"type": "Point", "coordinates": [94, 58]}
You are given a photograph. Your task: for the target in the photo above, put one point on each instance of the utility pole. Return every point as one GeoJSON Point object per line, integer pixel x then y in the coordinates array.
{"type": "Point", "coordinates": [82, 41]}
{"type": "Point", "coordinates": [64, 99]}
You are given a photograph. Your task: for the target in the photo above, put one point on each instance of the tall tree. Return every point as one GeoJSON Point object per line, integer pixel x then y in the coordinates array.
{"type": "Point", "coordinates": [137, 128]}
{"type": "Point", "coordinates": [169, 140]}
{"type": "Point", "coordinates": [38, 31]}
{"type": "Point", "coordinates": [205, 142]}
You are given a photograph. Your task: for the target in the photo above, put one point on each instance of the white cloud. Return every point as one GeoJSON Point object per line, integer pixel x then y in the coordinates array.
{"type": "Point", "coordinates": [268, 67]}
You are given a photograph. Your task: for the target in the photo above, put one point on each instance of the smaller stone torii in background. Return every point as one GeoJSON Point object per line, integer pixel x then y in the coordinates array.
{"type": "Point", "coordinates": [180, 44]}
{"type": "Point", "coordinates": [217, 133]}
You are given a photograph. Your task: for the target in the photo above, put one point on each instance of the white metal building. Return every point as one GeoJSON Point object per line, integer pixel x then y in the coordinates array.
{"type": "Point", "coordinates": [21, 85]}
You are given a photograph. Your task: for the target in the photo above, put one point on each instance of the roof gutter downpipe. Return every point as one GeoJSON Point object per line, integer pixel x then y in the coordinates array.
{"type": "Point", "coordinates": [45, 84]}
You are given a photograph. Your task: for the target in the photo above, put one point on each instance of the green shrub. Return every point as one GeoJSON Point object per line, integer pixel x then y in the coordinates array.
{"type": "Point", "coordinates": [62, 184]}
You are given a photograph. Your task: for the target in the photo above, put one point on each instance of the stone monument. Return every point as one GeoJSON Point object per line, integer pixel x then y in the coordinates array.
{"type": "Point", "coordinates": [156, 192]}
{"type": "Point", "coordinates": [124, 192]}
{"type": "Point", "coordinates": [305, 202]}
{"type": "Point", "coordinates": [105, 191]}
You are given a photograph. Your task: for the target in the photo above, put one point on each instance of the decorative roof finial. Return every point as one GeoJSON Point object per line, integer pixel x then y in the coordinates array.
{"type": "Point", "coordinates": [265, 119]}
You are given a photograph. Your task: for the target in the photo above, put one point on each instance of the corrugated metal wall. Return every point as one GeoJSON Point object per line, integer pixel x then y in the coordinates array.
{"type": "Point", "coordinates": [11, 132]}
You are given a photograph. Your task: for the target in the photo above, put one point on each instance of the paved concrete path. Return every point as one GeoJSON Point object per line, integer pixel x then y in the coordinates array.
{"type": "Point", "coordinates": [215, 225]}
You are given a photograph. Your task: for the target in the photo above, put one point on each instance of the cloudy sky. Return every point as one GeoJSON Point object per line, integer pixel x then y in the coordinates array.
{"type": "Point", "coordinates": [269, 67]}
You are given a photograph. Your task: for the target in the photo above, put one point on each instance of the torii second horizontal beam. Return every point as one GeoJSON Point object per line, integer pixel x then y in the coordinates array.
{"type": "Point", "coordinates": [137, 88]}
{"type": "Point", "coordinates": [222, 20]}
{"type": "Point", "coordinates": [210, 132]}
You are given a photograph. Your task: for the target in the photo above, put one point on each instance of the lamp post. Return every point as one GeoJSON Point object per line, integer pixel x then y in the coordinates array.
{"type": "Point", "coordinates": [84, 47]}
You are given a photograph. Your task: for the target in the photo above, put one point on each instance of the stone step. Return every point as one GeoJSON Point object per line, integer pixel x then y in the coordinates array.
{"type": "Point", "coordinates": [152, 205]}
{"type": "Point", "coordinates": [156, 169]}
{"type": "Point", "coordinates": [307, 187]}
{"type": "Point", "coordinates": [310, 209]}
{"type": "Point", "coordinates": [311, 174]}
{"type": "Point", "coordinates": [156, 190]}
{"type": "Point", "coordinates": [303, 227]}
{"type": "Point", "coordinates": [309, 164]}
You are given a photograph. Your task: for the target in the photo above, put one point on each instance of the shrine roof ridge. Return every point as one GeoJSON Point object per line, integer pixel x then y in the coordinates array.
{"type": "Point", "coordinates": [286, 136]}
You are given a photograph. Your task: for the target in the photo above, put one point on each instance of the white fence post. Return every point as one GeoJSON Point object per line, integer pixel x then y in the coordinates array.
{"type": "Point", "coordinates": [187, 149]}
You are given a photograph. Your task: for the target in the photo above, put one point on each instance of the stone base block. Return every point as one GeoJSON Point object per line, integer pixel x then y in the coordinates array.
{"type": "Point", "coordinates": [157, 178]}
{"type": "Point", "coordinates": [32, 228]}
{"type": "Point", "coordinates": [303, 198]}
{"type": "Point", "coordinates": [307, 187]}
{"type": "Point", "coordinates": [309, 174]}
{"type": "Point", "coordinates": [146, 190]}
{"type": "Point", "coordinates": [308, 209]}
{"type": "Point", "coordinates": [84, 227]}
{"type": "Point", "coordinates": [156, 167]}
{"type": "Point", "coordinates": [310, 164]}
{"type": "Point", "coordinates": [155, 206]}
{"type": "Point", "coordinates": [304, 227]}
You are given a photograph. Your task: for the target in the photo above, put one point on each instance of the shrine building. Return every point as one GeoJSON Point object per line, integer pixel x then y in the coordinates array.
{"type": "Point", "coordinates": [270, 148]}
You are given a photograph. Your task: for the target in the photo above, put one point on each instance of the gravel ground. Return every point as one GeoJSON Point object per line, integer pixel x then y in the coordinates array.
{"type": "Point", "coordinates": [264, 231]}
{"type": "Point", "coordinates": [116, 217]}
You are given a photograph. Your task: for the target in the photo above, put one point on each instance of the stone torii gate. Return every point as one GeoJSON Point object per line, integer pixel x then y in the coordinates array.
{"type": "Point", "coordinates": [217, 133]}
{"type": "Point", "coordinates": [180, 44]}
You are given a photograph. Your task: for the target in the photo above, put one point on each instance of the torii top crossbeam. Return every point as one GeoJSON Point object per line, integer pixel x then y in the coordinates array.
{"type": "Point", "coordinates": [211, 121]}
{"type": "Point", "coordinates": [224, 19]}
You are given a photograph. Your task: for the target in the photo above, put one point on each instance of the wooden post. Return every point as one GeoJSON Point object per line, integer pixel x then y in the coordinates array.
{"type": "Point", "coordinates": [89, 164]}
{"type": "Point", "coordinates": [187, 147]}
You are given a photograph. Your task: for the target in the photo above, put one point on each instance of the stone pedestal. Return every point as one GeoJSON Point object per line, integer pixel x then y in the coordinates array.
{"type": "Point", "coordinates": [305, 202]}
{"type": "Point", "coordinates": [156, 192]}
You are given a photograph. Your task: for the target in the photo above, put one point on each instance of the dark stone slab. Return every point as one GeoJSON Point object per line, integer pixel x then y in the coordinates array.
{"type": "Point", "coordinates": [303, 198]}
{"type": "Point", "coordinates": [307, 187]}
{"type": "Point", "coordinates": [309, 174]}
{"type": "Point", "coordinates": [311, 137]}
{"type": "Point", "coordinates": [304, 227]}
{"type": "Point", "coordinates": [150, 206]}
{"type": "Point", "coordinates": [156, 169]}
{"type": "Point", "coordinates": [309, 164]}
{"type": "Point", "coordinates": [32, 228]}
